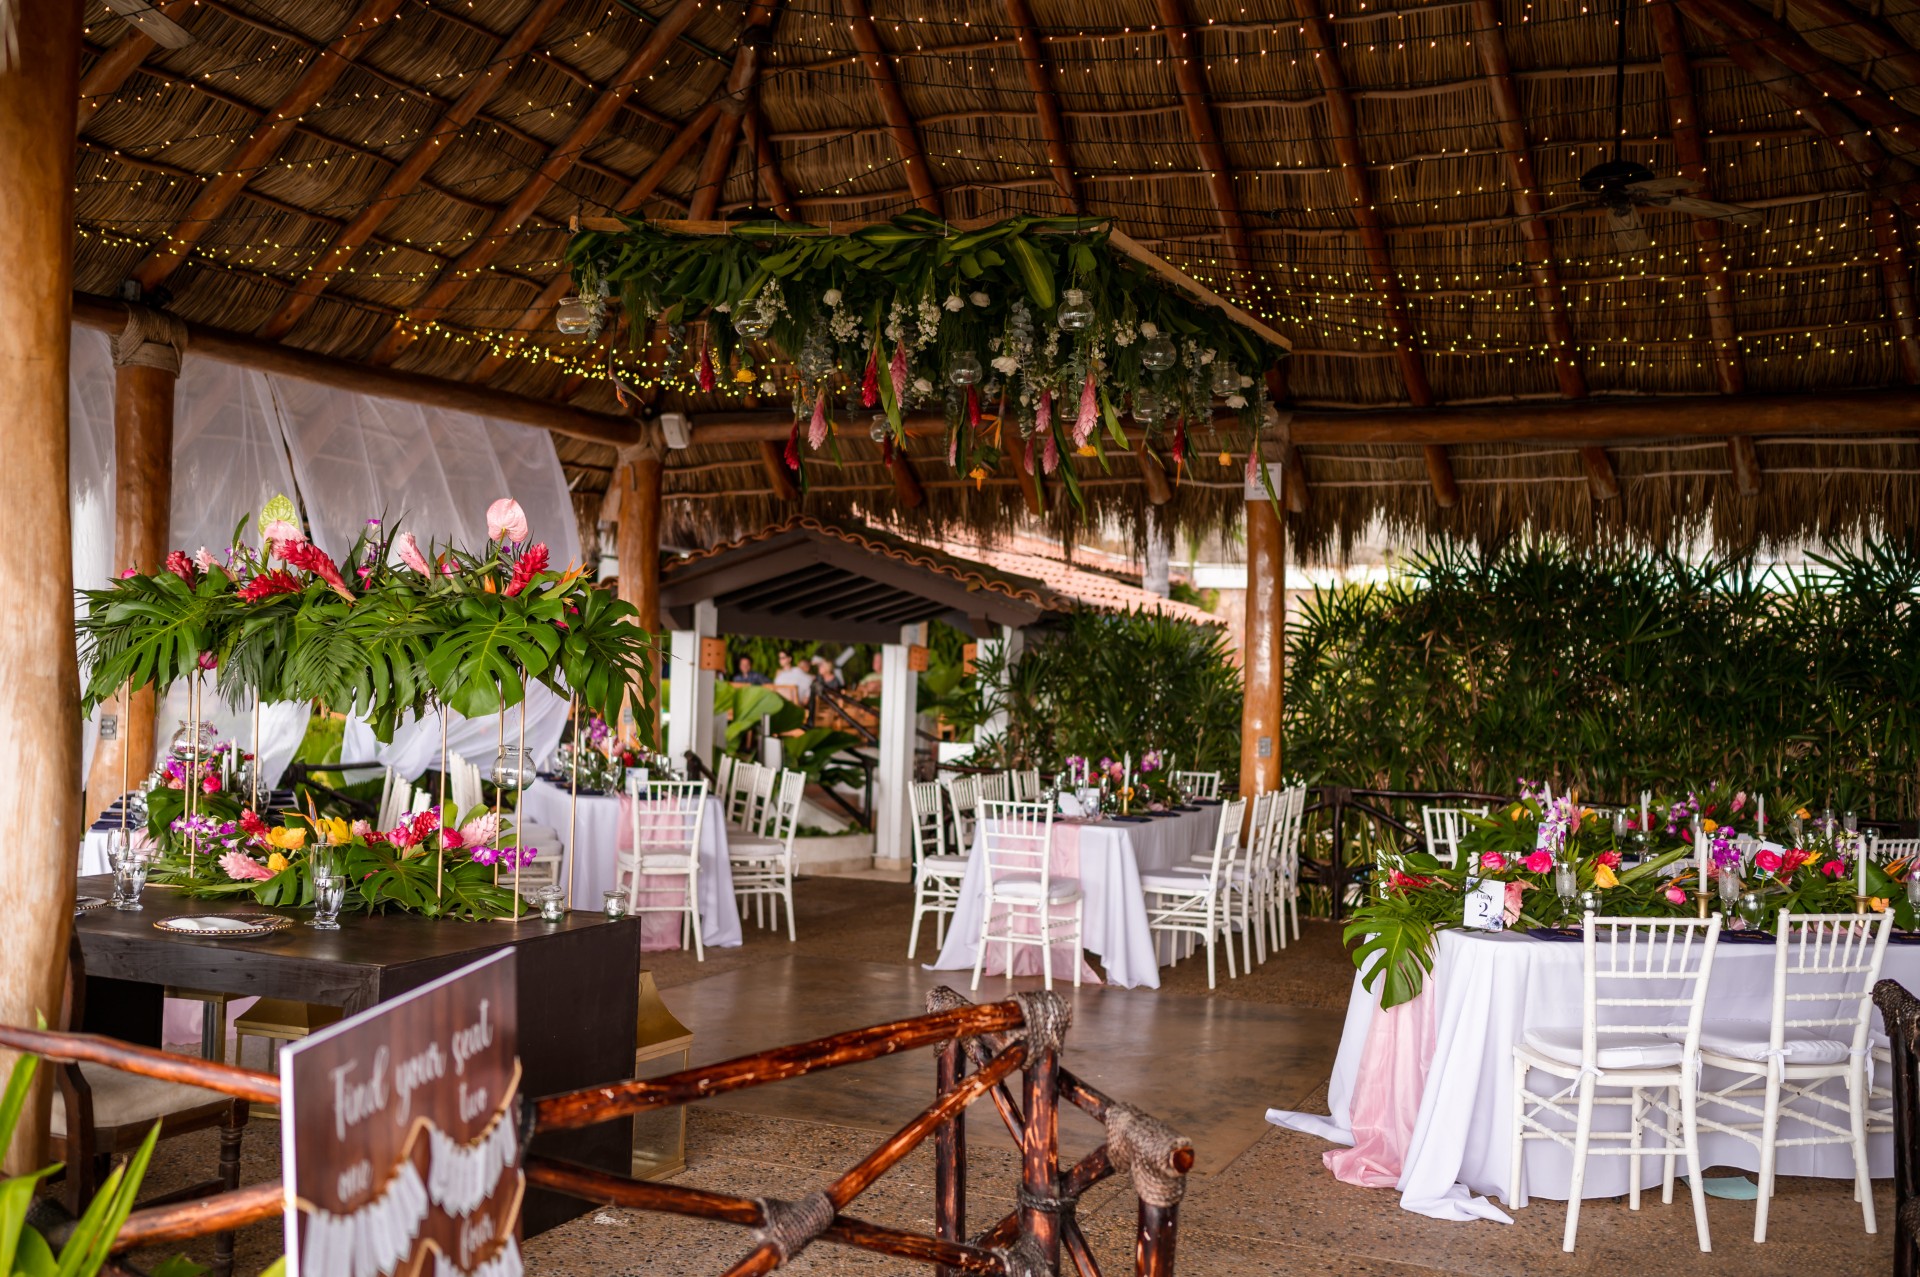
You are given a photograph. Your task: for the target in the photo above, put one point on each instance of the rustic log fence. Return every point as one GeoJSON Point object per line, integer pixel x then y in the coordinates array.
{"type": "Point", "coordinates": [978, 1048]}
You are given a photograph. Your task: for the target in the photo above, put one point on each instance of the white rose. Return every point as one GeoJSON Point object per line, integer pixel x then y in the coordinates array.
{"type": "Point", "coordinates": [1206, 357]}
{"type": "Point", "coordinates": [954, 303]}
{"type": "Point", "coordinates": [724, 307]}
{"type": "Point", "coordinates": [922, 386]}
{"type": "Point", "coordinates": [1236, 401]}
{"type": "Point", "coordinates": [831, 297]}
{"type": "Point", "coordinates": [1245, 380]}
{"type": "Point", "coordinates": [979, 299]}
{"type": "Point", "coordinates": [1149, 329]}
{"type": "Point", "coordinates": [1006, 365]}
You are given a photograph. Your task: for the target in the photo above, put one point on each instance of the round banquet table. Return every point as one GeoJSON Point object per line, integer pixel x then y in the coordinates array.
{"type": "Point", "coordinates": [604, 828]}
{"type": "Point", "coordinates": [1108, 858]}
{"type": "Point", "coordinates": [1428, 1086]}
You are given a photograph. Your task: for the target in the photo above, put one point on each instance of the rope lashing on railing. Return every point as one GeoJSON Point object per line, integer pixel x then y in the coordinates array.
{"type": "Point", "coordinates": [1147, 1147]}
{"type": "Point", "coordinates": [1025, 1259]}
{"type": "Point", "coordinates": [1048, 1015]}
{"type": "Point", "coordinates": [792, 1224]}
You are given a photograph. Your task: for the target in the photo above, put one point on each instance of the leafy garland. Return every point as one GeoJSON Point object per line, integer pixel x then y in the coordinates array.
{"type": "Point", "coordinates": [415, 628]}
{"type": "Point", "coordinates": [1395, 932]}
{"type": "Point", "coordinates": [1032, 333]}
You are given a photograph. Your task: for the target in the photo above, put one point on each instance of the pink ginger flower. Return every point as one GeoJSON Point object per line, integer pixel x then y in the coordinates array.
{"type": "Point", "coordinates": [409, 551]}
{"type": "Point", "coordinates": [241, 867]}
{"type": "Point", "coordinates": [203, 559]}
{"type": "Point", "coordinates": [1516, 892]}
{"type": "Point", "coordinates": [897, 369]}
{"type": "Point", "coordinates": [481, 830]}
{"type": "Point", "coordinates": [1050, 454]}
{"type": "Point", "coordinates": [506, 521]}
{"type": "Point", "coordinates": [1089, 413]}
{"type": "Point", "coordinates": [180, 565]}
{"type": "Point", "coordinates": [1043, 413]}
{"type": "Point", "coordinates": [817, 428]}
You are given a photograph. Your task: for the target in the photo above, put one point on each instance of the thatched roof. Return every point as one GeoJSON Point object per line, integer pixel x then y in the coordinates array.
{"type": "Point", "coordinates": [1361, 165]}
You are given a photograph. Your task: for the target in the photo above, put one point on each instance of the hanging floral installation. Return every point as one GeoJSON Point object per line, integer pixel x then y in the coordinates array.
{"type": "Point", "coordinates": [1037, 334]}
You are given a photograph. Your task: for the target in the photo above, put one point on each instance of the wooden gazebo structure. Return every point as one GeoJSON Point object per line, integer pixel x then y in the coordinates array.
{"type": "Point", "coordinates": [375, 193]}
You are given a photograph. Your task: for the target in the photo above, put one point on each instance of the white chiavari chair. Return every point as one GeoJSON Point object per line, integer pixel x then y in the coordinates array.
{"type": "Point", "coordinates": [1284, 882]}
{"type": "Point", "coordinates": [1884, 851]}
{"type": "Point", "coordinates": [738, 796]}
{"type": "Point", "coordinates": [398, 797]}
{"type": "Point", "coordinates": [1445, 826]}
{"type": "Point", "coordinates": [1198, 784]}
{"type": "Point", "coordinates": [1188, 901]}
{"type": "Point", "coordinates": [723, 774]}
{"type": "Point", "coordinates": [1026, 785]}
{"type": "Point", "coordinates": [1646, 970]}
{"type": "Point", "coordinates": [1824, 970]}
{"type": "Point", "coordinates": [936, 875]}
{"type": "Point", "coordinates": [464, 791]}
{"type": "Point", "coordinates": [665, 828]}
{"type": "Point", "coordinates": [762, 864]}
{"type": "Point", "coordinates": [1017, 841]}
{"type": "Point", "coordinates": [1244, 912]}
{"type": "Point", "coordinates": [996, 787]}
{"type": "Point", "coordinates": [963, 799]}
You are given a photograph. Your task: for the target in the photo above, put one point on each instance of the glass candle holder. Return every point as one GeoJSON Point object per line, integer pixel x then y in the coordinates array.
{"type": "Point", "coordinates": [615, 904]}
{"type": "Point", "coordinates": [553, 904]}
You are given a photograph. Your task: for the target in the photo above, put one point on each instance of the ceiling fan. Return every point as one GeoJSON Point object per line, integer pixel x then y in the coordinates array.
{"type": "Point", "coordinates": [147, 19]}
{"type": "Point", "coordinates": [1623, 187]}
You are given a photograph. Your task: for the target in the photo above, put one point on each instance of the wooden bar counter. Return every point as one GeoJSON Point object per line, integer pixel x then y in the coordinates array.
{"type": "Point", "coordinates": [578, 984]}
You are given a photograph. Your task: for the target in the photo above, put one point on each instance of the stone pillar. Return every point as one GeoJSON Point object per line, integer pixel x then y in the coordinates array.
{"type": "Point", "coordinates": [899, 696]}
{"type": "Point", "coordinates": [690, 711]}
{"type": "Point", "coordinates": [1156, 574]}
{"type": "Point", "coordinates": [637, 545]}
{"type": "Point", "coordinates": [146, 358]}
{"type": "Point", "coordinates": [39, 679]}
{"type": "Point", "coordinates": [1265, 642]}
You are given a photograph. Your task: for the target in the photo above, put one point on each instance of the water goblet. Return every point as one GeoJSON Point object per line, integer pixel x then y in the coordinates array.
{"type": "Point", "coordinates": [1566, 883]}
{"type": "Point", "coordinates": [129, 878]}
{"type": "Point", "coordinates": [1728, 880]}
{"type": "Point", "coordinates": [615, 904]}
{"type": "Point", "coordinates": [1752, 911]}
{"type": "Point", "coordinates": [119, 849]}
{"type": "Point", "coordinates": [329, 893]}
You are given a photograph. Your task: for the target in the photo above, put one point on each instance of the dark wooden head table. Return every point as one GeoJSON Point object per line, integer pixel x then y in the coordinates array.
{"type": "Point", "coordinates": [578, 985]}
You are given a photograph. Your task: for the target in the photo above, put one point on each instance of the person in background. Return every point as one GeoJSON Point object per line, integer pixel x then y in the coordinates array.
{"type": "Point", "coordinates": [869, 688]}
{"type": "Point", "coordinates": [827, 674]}
{"type": "Point", "coordinates": [745, 673]}
{"type": "Point", "coordinates": [794, 676]}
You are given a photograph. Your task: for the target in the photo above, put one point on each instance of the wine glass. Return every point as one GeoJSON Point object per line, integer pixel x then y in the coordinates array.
{"type": "Point", "coordinates": [1566, 884]}
{"type": "Point", "coordinates": [329, 893]}
{"type": "Point", "coordinates": [1752, 911]}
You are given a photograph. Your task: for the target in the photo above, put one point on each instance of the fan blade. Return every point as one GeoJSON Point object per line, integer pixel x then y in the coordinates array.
{"type": "Point", "coordinates": [1660, 186]}
{"type": "Point", "coordinates": [1713, 208]}
{"type": "Point", "coordinates": [152, 23]}
{"type": "Point", "coordinates": [1628, 234]}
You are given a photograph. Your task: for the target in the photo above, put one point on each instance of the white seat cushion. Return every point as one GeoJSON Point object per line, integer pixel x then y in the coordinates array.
{"type": "Point", "coordinates": [1238, 873]}
{"type": "Point", "coordinates": [535, 834]}
{"type": "Point", "coordinates": [660, 864]}
{"type": "Point", "coordinates": [751, 845]}
{"type": "Point", "coordinates": [1028, 888]}
{"type": "Point", "coordinates": [1617, 1050]}
{"type": "Point", "coordinates": [1748, 1040]}
{"type": "Point", "coordinates": [1174, 880]}
{"type": "Point", "coordinates": [128, 1099]}
{"type": "Point", "coordinates": [945, 866]}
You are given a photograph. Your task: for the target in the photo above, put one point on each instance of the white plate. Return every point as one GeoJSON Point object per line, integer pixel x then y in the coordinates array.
{"type": "Point", "coordinates": [225, 925]}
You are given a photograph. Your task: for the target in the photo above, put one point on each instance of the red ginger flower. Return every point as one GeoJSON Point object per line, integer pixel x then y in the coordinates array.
{"type": "Point", "coordinates": [309, 557]}
{"type": "Point", "coordinates": [870, 384]}
{"type": "Point", "coordinates": [530, 564]}
{"type": "Point", "coordinates": [180, 565]}
{"type": "Point", "coordinates": [268, 584]}
{"type": "Point", "coordinates": [251, 823]}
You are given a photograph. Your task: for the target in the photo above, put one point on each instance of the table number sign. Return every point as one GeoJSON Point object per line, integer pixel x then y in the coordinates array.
{"type": "Point", "coordinates": [1486, 904]}
{"type": "Point", "coordinates": [400, 1135]}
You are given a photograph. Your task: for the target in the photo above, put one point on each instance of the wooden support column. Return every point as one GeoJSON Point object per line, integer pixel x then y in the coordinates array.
{"type": "Point", "coordinates": [1153, 474]}
{"type": "Point", "coordinates": [1743, 458]}
{"type": "Point", "coordinates": [1602, 483]}
{"type": "Point", "coordinates": [906, 483]}
{"type": "Point", "coordinates": [773, 459]}
{"type": "Point", "coordinates": [1896, 279]}
{"type": "Point", "coordinates": [146, 356]}
{"type": "Point", "coordinates": [39, 677]}
{"type": "Point", "coordinates": [1263, 648]}
{"type": "Point", "coordinates": [637, 544]}
{"type": "Point", "coordinates": [1446, 491]}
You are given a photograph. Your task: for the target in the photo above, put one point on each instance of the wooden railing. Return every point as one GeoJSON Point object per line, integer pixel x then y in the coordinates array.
{"type": "Point", "coordinates": [978, 1049]}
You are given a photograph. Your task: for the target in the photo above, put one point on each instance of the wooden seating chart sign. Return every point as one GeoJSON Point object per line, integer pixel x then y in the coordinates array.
{"type": "Point", "coordinates": [400, 1135]}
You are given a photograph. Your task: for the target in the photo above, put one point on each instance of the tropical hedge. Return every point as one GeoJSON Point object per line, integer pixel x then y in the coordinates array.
{"type": "Point", "coordinates": [1615, 671]}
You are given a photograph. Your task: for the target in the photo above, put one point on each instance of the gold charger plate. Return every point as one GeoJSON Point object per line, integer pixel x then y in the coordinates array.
{"type": "Point", "coordinates": [225, 926]}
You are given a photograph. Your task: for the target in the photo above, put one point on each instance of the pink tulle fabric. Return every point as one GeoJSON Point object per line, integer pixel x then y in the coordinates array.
{"type": "Point", "coordinates": [1063, 859]}
{"type": "Point", "coordinates": [1386, 1095]}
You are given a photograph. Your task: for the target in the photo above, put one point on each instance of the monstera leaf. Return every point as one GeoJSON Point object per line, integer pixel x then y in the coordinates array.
{"type": "Point", "coordinates": [604, 652]}
{"type": "Point", "coordinates": [479, 664]}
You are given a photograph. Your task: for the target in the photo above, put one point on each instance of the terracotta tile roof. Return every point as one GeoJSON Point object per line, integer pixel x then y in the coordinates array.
{"type": "Point", "coordinates": [1034, 578]}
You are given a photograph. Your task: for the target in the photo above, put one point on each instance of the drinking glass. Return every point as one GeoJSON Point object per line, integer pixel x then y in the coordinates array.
{"type": "Point", "coordinates": [1913, 889]}
{"type": "Point", "coordinates": [119, 848]}
{"type": "Point", "coordinates": [129, 878]}
{"type": "Point", "coordinates": [615, 904]}
{"type": "Point", "coordinates": [1566, 883]}
{"type": "Point", "coordinates": [329, 893]}
{"type": "Point", "coordinates": [1797, 827]}
{"type": "Point", "coordinates": [1752, 911]}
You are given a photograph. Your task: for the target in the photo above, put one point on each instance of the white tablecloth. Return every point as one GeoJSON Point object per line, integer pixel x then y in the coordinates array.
{"type": "Point", "coordinates": [602, 830]}
{"type": "Point", "coordinates": [1112, 856]}
{"type": "Point", "coordinates": [1489, 989]}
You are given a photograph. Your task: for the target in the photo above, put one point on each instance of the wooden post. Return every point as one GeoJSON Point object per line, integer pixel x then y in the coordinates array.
{"type": "Point", "coordinates": [637, 544]}
{"type": "Point", "coordinates": [950, 1157]}
{"type": "Point", "coordinates": [1261, 654]}
{"type": "Point", "coordinates": [39, 679]}
{"type": "Point", "coordinates": [1040, 1150]}
{"type": "Point", "coordinates": [146, 356]}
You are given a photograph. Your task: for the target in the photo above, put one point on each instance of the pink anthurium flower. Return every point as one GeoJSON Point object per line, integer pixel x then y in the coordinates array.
{"type": "Point", "coordinates": [506, 521]}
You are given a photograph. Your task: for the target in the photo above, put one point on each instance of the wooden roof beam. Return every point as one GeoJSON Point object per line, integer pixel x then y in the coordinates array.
{"type": "Point", "coordinates": [111, 69]}
{"type": "Point", "coordinates": [322, 72]}
{"type": "Point", "coordinates": [1189, 71]}
{"type": "Point", "coordinates": [906, 482]}
{"type": "Point", "coordinates": [584, 133]}
{"type": "Point", "coordinates": [1446, 489]}
{"type": "Point", "coordinates": [1896, 280]}
{"type": "Point", "coordinates": [633, 197]}
{"type": "Point", "coordinates": [773, 460]}
{"type": "Point", "coordinates": [1683, 118]}
{"type": "Point", "coordinates": [1602, 483]}
{"type": "Point", "coordinates": [1743, 459]}
{"type": "Point", "coordinates": [1538, 240]}
{"type": "Point", "coordinates": [766, 159]}
{"type": "Point", "coordinates": [1353, 169]}
{"type": "Point", "coordinates": [1046, 105]}
{"type": "Point", "coordinates": [717, 163]}
{"type": "Point", "coordinates": [886, 84]}
{"type": "Point", "coordinates": [412, 171]}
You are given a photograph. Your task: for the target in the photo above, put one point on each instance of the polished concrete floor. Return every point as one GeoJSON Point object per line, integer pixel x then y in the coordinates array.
{"type": "Point", "coordinates": [1261, 1201]}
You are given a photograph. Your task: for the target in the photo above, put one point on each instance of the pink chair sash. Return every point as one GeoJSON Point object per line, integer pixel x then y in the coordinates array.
{"type": "Point", "coordinates": [1063, 861]}
{"type": "Point", "coordinates": [1386, 1094]}
{"type": "Point", "coordinates": [657, 930]}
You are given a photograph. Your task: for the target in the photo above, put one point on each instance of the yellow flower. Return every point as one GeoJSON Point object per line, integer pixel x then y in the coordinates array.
{"type": "Point", "coordinates": [333, 829]}
{"type": "Point", "coordinates": [1803, 813]}
{"type": "Point", "coordinates": [276, 862]}
{"type": "Point", "coordinates": [1879, 904]}
{"type": "Point", "coordinates": [979, 476]}
{"type": "Point", "coordinates": [1708, 826]}
{"type": "Point", "coordinates": [743, 375]}
{"type": "Point", "coordinates": [1086, 450]}
{"type": "Point", "coordinates": [1603, 876]}
{"type": "Point", "coordinates": [1226, 458]}
{"type": "Point", "coordinates": [1515, 813]}
{"type": "Point", "coordinates": [287, 839]}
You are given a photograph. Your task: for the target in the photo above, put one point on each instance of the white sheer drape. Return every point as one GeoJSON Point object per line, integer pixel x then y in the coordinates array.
{"type": "Point", "coordinates": [242, 436]}
{"type": "Point", "coordinates": [416, 742]}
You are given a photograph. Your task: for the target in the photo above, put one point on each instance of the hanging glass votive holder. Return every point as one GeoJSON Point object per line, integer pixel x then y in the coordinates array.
{"type": "Point", "coordinates": [1225, 379]}
{"type": "Point", "coordinates": [1074, 314]}
{"type": "Point", "coordinates": [1147, 407]}
{"type": "Point", "coordinates": [966, 369]}
{"type": "Point", "coordinates": [879, 428]}
{"type": "Point", "coordinates": [575, 316]}
{"type": "Point", "coordinates": [1158, 353]}
{"type": "Point", "coordinates": [753, 321]}
{"type": "Point", "coordinates": [512, 769]}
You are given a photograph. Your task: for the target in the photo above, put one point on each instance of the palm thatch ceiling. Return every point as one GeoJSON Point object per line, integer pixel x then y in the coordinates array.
{"type": "Point", "coordinates": [1395, 186]}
